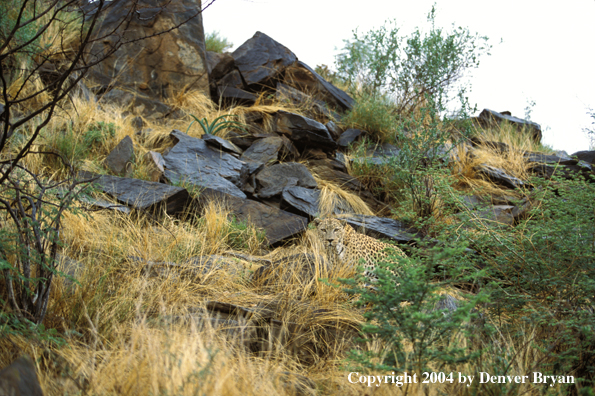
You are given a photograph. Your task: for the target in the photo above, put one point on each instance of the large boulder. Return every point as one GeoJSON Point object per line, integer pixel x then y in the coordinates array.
{"type": "Point", "coordinates": [141, 194]}
{"type": "Point", "coordinates": [261, 59]}
{"type": "Point", "coordinates": [153, 65]}
{"type": "Point", "coordinates": [194, 162]}
{"type": "Point", "coordinates": [488, 116]}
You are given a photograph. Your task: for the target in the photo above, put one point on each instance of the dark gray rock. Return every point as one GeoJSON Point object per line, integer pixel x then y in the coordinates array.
{"type": "Point", "coordinates": [548, 159]}
{"type": "Point", "coordinates": [277, 224]}
{"type": "Point", "coordinates": [119, 161]}
{"type": "Point", "coordinates": [192, 161]}
{"type": "Point", "coordinates": [262, 152]}
{"type": "Point", "coordinates": [98, 203]}
{"type": "Point", "coordinates": [20, 379]}
{"type": "Point", "coordinates": [334, 129]}
{"type": "Point", "coordinates": [261, 59]}
{"type": "Point", "coordinates": [381, 227]}
{"type": "Point", "coordinates": [499, 177]}
{"type": "Point", "coordinates": [219, 65]}
{"type": "Point", "coordinates": [273, 179]}
{"type": "Point", "coordinates": [304, 131]}
{"type": "Point", "coordinates": [349, 136]}
{"type": "Point", "coordinates": [230, 96]}
{"type": "Point", "coordinates": [142, 195]}
{"type": "Point", "coordinates": [304, 78]}
{"type": "Point", "coordinates": [587, 156]}
{"type": "Point", "coordinates": [221, 144]}
{"type": "Point", "coordinates": [491, 116]}
{"type": "Point", "coordinates": [303, 201]}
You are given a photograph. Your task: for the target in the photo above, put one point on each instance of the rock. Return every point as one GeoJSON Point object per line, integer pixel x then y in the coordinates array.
{"type": "Point", "coordinates": [498, 176]}
{"type": "Point", "coordinates": [491, 116]}
{"type": "Point", "coordinates": [261, 59]}
{"type": "Point", "coordinates": [304, 78]}
{"type": "Point", "coordinates": [315, 107]}
{"type": "Point", "coordinates": [277, 224]}
{"type": "Point", "coordinates": [218, 65]}
{"type": "Point", "coordinates": [333, 129]}
{"type": "Point", "coordinates": [231, 96]}
{"type": "Point", "coordinates": [587, 156]}
{"type": "Point", "coordinates": [98, 203]}
{"type": "Point", "coordinates": [273, 179]}
{"type": "Point", "coordinates": [349, 136]}
{"type": "Point", "coordinates": [155, 163]}
{"type": "Point", "coordinates": [119, 161]}
{"type": "Point", "coordinates": [142, 195]}
{"type": "Point", "coordinates": [303, 201]}
{"type": "Point", "coordinates": [169, 62]}
{"type": "Point", "coordinates": [221, 144]}
{"type": "Point", "coordinates": [548, 159]}
{"type": "Point", "coordinates": [381, 227]}
{"type": "Point", "coordinates": [20, 379]}
{"type": "Point", "coordinates": [304, 131]}
{"type": "Point", "coordinates": [498, 213]}
{"type": "Point", "coordinates": [262, 152]}
{"type": "Point", "coordinates": [192, 161]}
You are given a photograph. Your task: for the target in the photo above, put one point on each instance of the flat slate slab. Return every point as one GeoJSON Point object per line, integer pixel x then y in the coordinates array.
{"type": "Point", "coordinates": [276, 223]}
{"type": "Point", "coordinates": [304, 131]}
{"type": "Point", "coordinates": [141, 194]}
{"type": "Point", "coordinates": [381, 227]}
{"type": "Point", "coordinates": [192, 161]}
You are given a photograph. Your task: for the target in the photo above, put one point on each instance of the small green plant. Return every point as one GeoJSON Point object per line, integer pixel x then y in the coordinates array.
{"type": "Point", "coordinates": [214, 42]}
{"type": "Point", "coordinates": [98, 133]}
{"type": "Point", "coordinates": [375, 115]}
{"type": "Point", "coordinates": [219, 124]}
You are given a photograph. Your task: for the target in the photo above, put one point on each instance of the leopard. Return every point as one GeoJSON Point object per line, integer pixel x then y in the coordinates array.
{"type": "Point", "coordinates": [353, 248]}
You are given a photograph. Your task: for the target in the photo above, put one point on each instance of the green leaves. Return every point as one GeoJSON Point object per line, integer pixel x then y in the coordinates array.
{"type": "Point", "coordinates": [409, 68]}
{"type": "Point", "coordinates": [218, 124]}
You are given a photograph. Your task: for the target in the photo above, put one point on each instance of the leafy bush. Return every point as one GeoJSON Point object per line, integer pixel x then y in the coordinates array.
{"type": "Point", "coordinates": [375, 115]}
{"type": "Point", "coordinates": [408, 69]}
{"type": "Point", "coordinates": [416, 329]}
{"type": "Point", "coordinates": [545, 272]}
{"type": "Point", "coordinates": [214, 42]}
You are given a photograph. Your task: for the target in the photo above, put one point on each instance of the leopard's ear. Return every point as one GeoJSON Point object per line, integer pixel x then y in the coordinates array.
{"type": "Point", "coordinates": [316, 221]}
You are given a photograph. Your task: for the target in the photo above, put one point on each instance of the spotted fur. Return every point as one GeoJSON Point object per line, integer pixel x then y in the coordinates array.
{"type": "Point", "coordinates": [353, 248]}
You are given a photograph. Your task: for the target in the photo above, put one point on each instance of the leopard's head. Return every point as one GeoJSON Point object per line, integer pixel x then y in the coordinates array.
{"type": "Point", "coordinates": [332, 234]}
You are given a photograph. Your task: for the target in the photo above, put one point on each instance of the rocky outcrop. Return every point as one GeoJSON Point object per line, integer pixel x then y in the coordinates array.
{"type": "Point", "coordinates": [158, 65]}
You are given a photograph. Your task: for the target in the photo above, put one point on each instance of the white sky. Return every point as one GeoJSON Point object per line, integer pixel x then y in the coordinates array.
{"type": "Point", "coordinates": [547, 54]}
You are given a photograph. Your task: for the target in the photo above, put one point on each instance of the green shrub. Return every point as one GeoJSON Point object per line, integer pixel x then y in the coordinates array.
{"type": "Point", "coordinates": [216, 43]}
{"type": "Point", "coordinates": [408, 69]}
{"type": "Point", "coordinates": [545, 272]}
{"type": "Point", "coordinates": [417, 334]}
